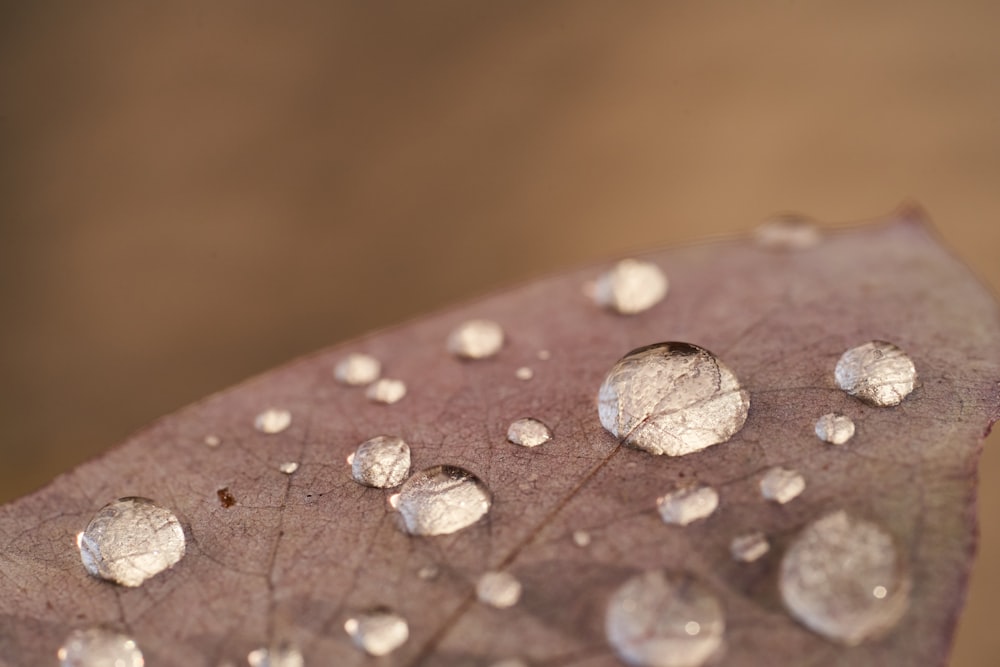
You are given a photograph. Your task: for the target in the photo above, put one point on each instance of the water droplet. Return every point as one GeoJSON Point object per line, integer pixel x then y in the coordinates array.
{"type": "Point", "coordinates": [226, 499]}
{"type": "Point", "coordinates": [843, 578]}
{"type": "Point", "coordinates": [528, 432]}
{"type": "Point", "coordinates": [428, 572]}
{"type": "Point", "coordinates": [288, 467]}
{"type": "Point", "coordinates": [357, 369]}
{"type": "Point", "coordinates": [581, 538]}
{"type": "Point", "coordinates": [498, 589]}
{"type": "Point", "coordinates": [687, 505]}
{"type": "Point", "coordinates": [544, 355]}
{"type": "Point", "coordinates": [524, 373]}
{"type": "Point", "coordinates": [378, 632]}
{"type": "Point", "coordinates": [781, 485]}
{"type": "Point", "coordinates": [272, 420]}
{"type": "Point", "coordinates": [281, 656]}
{"type": "Point", "coordinates": [386, 391]}
{"type": "Point", "coordinates": [130, 540]}
{"type": "Point", "coordinates": [213, 440]}
{"type": "Point", "coordinates": [99, 648]}
{"type": "Point", "coordinates": [835, 429]}
{"type": "Point", "coordinates": [877, 372]}
{"type": "Point", "coordinates": [382, 462]}
{"type": "Point", "coordinates": [787, 232]}
{"type": "Point", "coordinates": [750, 547]}
{"type": "Point", "coordinates": [394, 501]}
{"type": "Point", "coordinates": [657, 619]}
{"type": "Point", "coordinates": [476, 339]}
{"type": "Point", "coordinates": [672, 398]}
{"type": "Point", "coordinates": [631, 286]}
{"type": "Point", "coordinates": [442, 500]}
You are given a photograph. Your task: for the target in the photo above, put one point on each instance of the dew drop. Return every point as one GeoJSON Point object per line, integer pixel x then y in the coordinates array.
{"type": "Point", "coordinates": [378, 632]}
{"type": "Point", "coordinates": [843, 578]}
{"type": "Point", "coordinates": [877, 372]}
{"type": "Point", "coordinates": [835, 429]}
{"type": "Point", "coordinates": [476, 339]}
{"type": "Point", "coordinates": [528, 432]}
{"type": "Point", "coordinates": [382, 462]}
{"type": "Point", "coordinates": [357, 369]}
{"type": "Point", "coordinates": [657, 619]}
{"type": "Point", "coordinates": [673, 399]}
{"type": "Point", "coordinates": [524, 373]}
{"type": "Point", "coordinates": [288, 467]}
{"type": "Point", "coordinates": [631, 286]}
{"type": "Point", "coordinates": [782, 485]}
{"type": "Point", "coordinates": [787, 232]}
{"type": "Point", "coordinates": [581, 538]}
{"type": "Point", "coordinates": [130, 540]}
{"type": "Point", "coordinates": [687, 505]}
{"type": "Point", "coordinates": [99, 648]}
{"type": "Point", "coordinates": [386, 391]}
{"type": "Point", "coordinates": [282, 656]}
{"type": "Point", "coordinates": [213, 440]}
{"type": "Point", "coordinates": [750, 547]}
{"type": "Point", "coordinates": [498, 589]}
{"type": "Point", "coordinates": [272, 420]}
{"type": "Point", "coordinates": [442, 500]}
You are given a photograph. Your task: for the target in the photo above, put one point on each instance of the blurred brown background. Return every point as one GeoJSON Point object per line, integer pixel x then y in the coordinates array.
{"type": "Point", "coordinates": [193, 192]}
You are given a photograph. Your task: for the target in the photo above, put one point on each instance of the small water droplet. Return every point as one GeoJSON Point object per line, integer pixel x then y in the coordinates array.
{"type": "Point", "coordinates": [428, 572]}
{"type": "Point", "coordinates": [498, 589]}
{"type": "Point", "coordinates": [581, 538]}
{"type": "Point", "coordinates": [130, 540]}
{"type": "Point", "coordinates": [787, 232]}
{"type": "Point", "coordinates": [476, 339]}
{"type": "Point", "coordinates": [272, 420]}
{"type": "Point", "coordinates": [442, 500]}
{"type": "Point", "coordinates": [378, 632]}
{"type": "Point", "coordinates": [357, 369]}
{"type": "Point", "coordinates": [877, 372]}
{"type": "Point", "coordinates": [544, 355]}
{"type": "Point", "coordinates": [657, 619]}
{"type": "Point", "coordinates": [288, 467]}
{"type": "Point", "coordinates": [226, 498]}
{"type": "Point", "coordinates": [281, 656]}
{"type": "Point", "coordinates": [524, 373]}
{"type": "Point", "coordinates": [99, 648]}
{"type": "Point", "coordinates": [386, 391]}
{"type": "Point", "coordinates": [843, 578]}
{"type": "Point", "coordinates": [750, 547]}
{"type": "Point", "coordinates": [213, 440]}
{"type": "Point", "coordinates": [835, 429]}
{"type": "Point", "coordinates": [673, 399]}
{"type": "Point", "coordinates": [687, 505]}
{"type": "Point", "coordinates": [382, 462]}
{"type": "Point", "coordinates": [528, 432]}
{"type": "Point", "coordinates": [630, 287]}
{"type": "Point", "coordinates": [781, 485]}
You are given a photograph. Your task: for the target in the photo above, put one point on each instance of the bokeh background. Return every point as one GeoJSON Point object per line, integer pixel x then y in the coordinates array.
{"type": "Point", "coordinates": [193, 192]}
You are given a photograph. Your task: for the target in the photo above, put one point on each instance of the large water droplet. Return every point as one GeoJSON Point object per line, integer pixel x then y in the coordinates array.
{"type": "Point", "coordinates": [476, 339]}
{"type": "Point", "coordinates": [386, 391]}
{"type": "Point", "coordinates": [631, 286]}
{"type": "Point", "coordinates": [843, 578]}
{"type": "Point", "coordinates": [382, 462]}
{"type": "Point", "coordinates": [130, 540]}
{"type": "Point", "coordinates": [528, 432]}
{"type": "Point", "coordinates": [280, 656]}
{"type": "Point", "coordinates": [750, 547]}
{"type": "Point", "coordinates": [442, 500]}
{"type": "Point", "coordinates": [498, 589]}
{"type": "Point", "coordinates": [877, 372]}
{"type": "Point", "coordinates": [782, 485]}
{"type": "Point", "coordinates": [272, 420]}
{"type": "Point", "coordinates": [657, 619]}
{"type": "Point", "coordinates": [835, 429]}
{"type": "Point", "coordinates": [99, 648]}
{"type": "Point", "coordinates": [672, 398]}
{"type": "Point", "coordinates": [687, 505]}
{"type": "Point", "coordinates": [787, 232]}
{"type": "Point", "coordinates": [357, 369]}
{"type": "Point", "coordinates": [378, 632]}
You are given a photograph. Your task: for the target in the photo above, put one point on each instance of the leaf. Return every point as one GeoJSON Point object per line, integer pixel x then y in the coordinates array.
{"type": "Point", "coordinates": [275, 557]}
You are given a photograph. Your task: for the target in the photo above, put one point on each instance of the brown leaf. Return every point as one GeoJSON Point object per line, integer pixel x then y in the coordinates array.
{"type": "Point", "coordinates": [289, 557]}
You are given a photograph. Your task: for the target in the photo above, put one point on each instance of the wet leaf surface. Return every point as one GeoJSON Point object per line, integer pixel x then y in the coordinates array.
{"type": "Point", "coordinates": [275, 557]}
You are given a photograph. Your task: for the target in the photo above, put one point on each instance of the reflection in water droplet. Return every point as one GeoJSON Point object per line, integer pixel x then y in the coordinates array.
{"type": "Point", "coordinates": [382, 462]}
{"type": "Point", "coordinates": [288, 467]}
{"type": "Point", "coordinates": [835, 429]}
{"type": "Point", "coordinates": [750, 547]}
{"type": "Point", "coordinates": [631, 286]}
{"type": "Point", "coordinates": [130, 540]}
{"type": "Point", "coordinates": [357, 369]}
{"type": "Point", "coordinates": [476, 339]}
{"type": "Point", "coordinates": [442, 500]}
{"type": "Point", "coordinates": [282, 656]}
{"type": "Point", "coordinates": [672, 398]}
{"type": "Point", "coordinates": [99, 648]}
{"type": "Point", "coordinates": [498, 589]}
{"type": "Point", "coordinates": [386, 391]}
{"type": "Point", "coordinates": [843, 578]}
{"type": "Point", "coordinates": [657, 619]}
{"type": "Point", "coordinates": [272, 421]}
{"type": "Point", "coordinates": [528, 432]}
{"type": "Point", "coordinates": [781, 485]}
{"type": "Point", "coordinates": [378, 632]}
{"type": "Point", "coordinates": [524, 373]}
{"type": "Point", "coordinates": [787, 232]}
{"type": "Point", "coordinates": [213, 440]}
{"type": "Point", "coordinates": [877, 372]}
{"type": "Point", "coordinates": [687, 505]}
{"type": "Point", "coordinates": [581, 538]}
